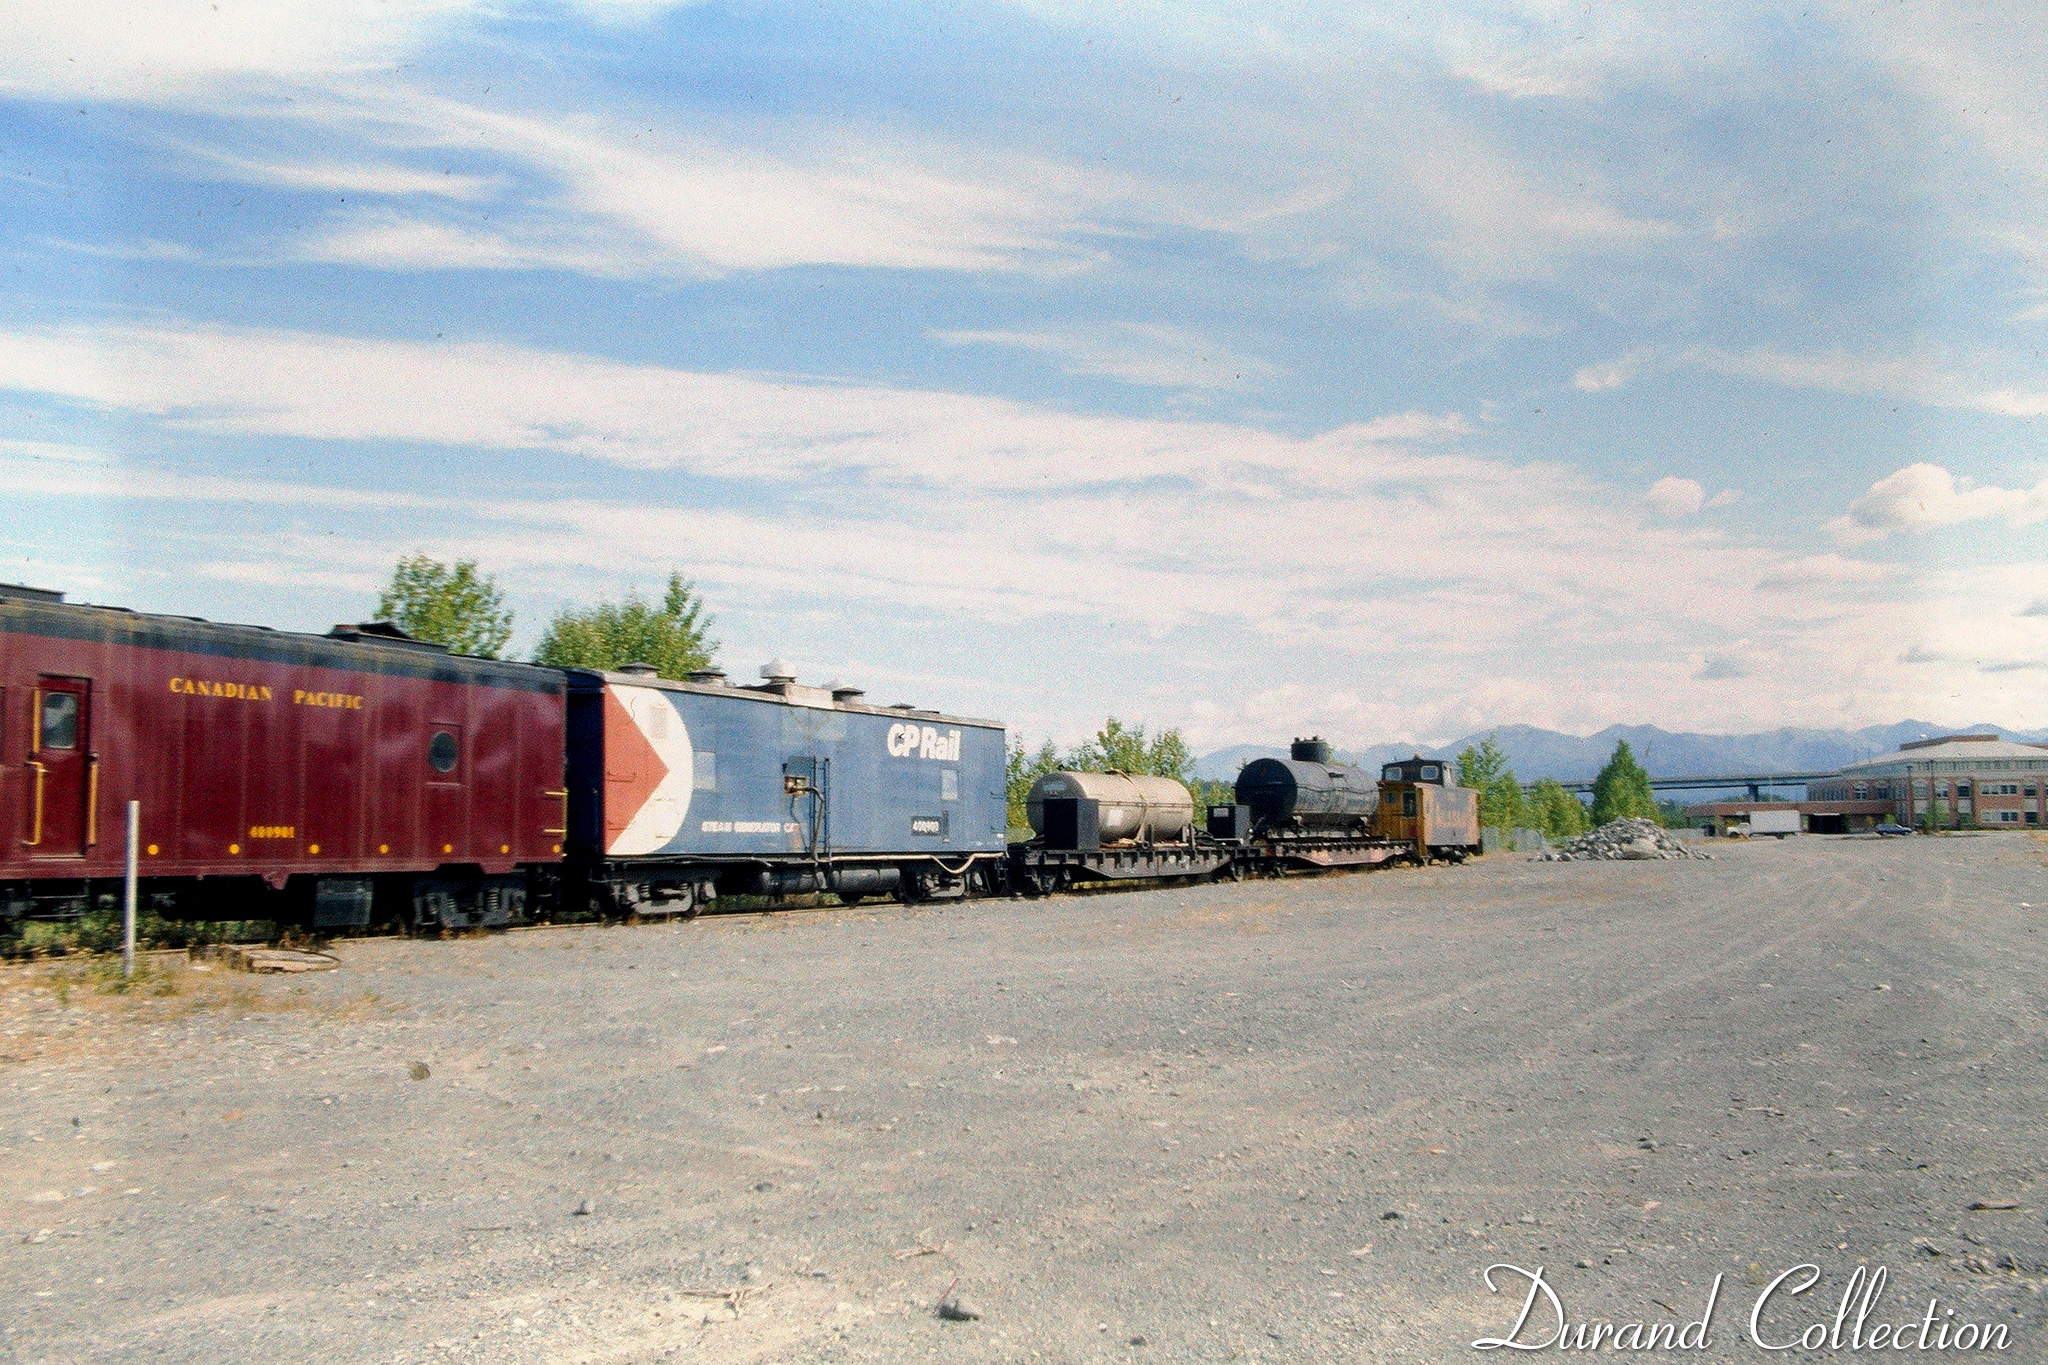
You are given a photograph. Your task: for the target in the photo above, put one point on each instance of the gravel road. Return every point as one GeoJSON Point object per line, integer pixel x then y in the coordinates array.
{"type": "Point", "coordinates": [1276, 1121]}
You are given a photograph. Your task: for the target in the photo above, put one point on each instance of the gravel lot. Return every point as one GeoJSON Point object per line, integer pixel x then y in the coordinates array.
{"type": "Point", "coordinates": [1172, 1125]}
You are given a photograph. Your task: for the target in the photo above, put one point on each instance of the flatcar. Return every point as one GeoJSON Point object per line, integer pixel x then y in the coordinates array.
{"type": "Point", "coordinates": [316, 779]}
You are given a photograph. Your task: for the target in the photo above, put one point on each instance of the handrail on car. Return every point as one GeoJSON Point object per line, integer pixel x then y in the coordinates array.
{"type": "Point", "coordinates": [41, 773]}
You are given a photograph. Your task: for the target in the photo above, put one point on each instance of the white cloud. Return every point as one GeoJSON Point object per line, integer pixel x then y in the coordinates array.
{"type": "Point", "coordinates": [1284, 557]}
{"type": "Point", "coordinates": [123, 49]}
{"type": "Point", "coordinates": [1823, 571]}
{"type": "Point", "coordinates": [170, 49]}
{"type": "Point", "coordinates": [1727, 497]}
{"type": "Point", "coordinates": [493, 396]}
{"type": "Point", "coordinates": [384, 240]}
{"type": "Point", "coordinates": [1135, 353]}
{"type": "Point", "coordinates": [1923, 497]}
{"type": "Point", "coordinates": [376, 179]}
{"type": "Point", "coordinates": [1609, 375]}
{"type": "Point", "coordinates": [583, 192]}
{"type": "Point", "coordinates": [1915, 379]}
{"type": "Point", "coordinates": [1672, 496]}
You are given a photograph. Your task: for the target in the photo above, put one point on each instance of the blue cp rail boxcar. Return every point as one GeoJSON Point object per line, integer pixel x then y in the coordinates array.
{"type": "Point", "coordinates": [682, 791]}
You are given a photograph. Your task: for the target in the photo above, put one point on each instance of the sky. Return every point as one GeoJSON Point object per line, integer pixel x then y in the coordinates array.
{"type": "Point", "coordinates": [1382, 373]}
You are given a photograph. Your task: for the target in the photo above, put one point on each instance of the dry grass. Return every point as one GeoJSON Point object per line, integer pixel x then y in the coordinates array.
{"type": "Point", "coordinates": [83, 1004]}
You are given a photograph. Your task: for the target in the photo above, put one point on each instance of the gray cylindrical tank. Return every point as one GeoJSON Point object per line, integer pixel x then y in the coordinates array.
{"type": "Point", "coordinates": [1155, 809]}
{"type": "Point", "coordinates": [1286, 793]}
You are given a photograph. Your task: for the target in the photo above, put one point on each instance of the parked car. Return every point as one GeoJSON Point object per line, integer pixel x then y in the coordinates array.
{"type": "Point", "coordinates": [1887, 831]}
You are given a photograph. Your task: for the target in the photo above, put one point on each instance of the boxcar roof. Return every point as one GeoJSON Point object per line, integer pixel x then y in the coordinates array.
{"type": "Point", "coordinates": [794, 695]}
{"type": "Point", "coordinates": [351, 650]}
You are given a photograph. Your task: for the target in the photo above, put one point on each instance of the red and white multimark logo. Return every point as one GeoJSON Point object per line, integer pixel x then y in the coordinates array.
{"type": "Point", "coordinates": [649, 770]}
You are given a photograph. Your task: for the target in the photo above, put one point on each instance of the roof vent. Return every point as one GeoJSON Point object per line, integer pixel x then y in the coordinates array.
{"type": "Point", "coordinates": [639, 670]}
{"type": "Point", "coordinates": [779, 669]}
{"type": "Point", "coordinates": [845, 691]}
{"type": "Point", "coordinates": [706, 675]}
{"type": "Point", "coordinates": [384, 633]}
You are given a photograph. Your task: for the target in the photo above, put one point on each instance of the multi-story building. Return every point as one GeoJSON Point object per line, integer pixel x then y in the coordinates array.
{"type": "Point", "coordinates": [1955, 781]}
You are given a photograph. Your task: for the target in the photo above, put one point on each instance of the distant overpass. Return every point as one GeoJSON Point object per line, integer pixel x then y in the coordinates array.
{"type": "Point", "coordinates": [1755, 783]}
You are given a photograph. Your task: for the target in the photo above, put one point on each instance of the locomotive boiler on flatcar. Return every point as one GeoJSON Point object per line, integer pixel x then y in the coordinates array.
{"type": "Point", "coordinates": [683, 790]}
{"type": "Point", "coordinates": [1307, 792]}
{"type": "Point", "coordinates": [306, 778]}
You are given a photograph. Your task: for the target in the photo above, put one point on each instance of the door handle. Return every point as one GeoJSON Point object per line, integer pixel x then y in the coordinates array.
{"type": "Point", "coordinates": [92, 800]}
{"type": "Point", "coordinates": [564, 830]}
{"type": "Point", "coordinates": [41, 772]}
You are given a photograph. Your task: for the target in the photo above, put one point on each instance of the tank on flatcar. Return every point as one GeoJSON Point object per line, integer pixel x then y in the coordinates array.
{"type": "Point", "coordinates": [1421, 805]}
{"type": "Point", "coordinates": [682, 790]}
{"type": "Point", "coordinates": [1131, 807]}
{"type": "Point", "coordinates": [1308, 792]}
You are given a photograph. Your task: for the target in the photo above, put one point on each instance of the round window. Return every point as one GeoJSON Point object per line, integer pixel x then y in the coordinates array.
{"type": "Point", "coordinates": [443, 752]}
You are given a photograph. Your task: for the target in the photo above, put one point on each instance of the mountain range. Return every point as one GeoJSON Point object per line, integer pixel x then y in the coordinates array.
{"type": "Point", "coordinates": [1533, 752]}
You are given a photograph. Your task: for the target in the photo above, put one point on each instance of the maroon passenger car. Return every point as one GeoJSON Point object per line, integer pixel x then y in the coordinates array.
{"type": "Point", "coordinates": [300, 778]}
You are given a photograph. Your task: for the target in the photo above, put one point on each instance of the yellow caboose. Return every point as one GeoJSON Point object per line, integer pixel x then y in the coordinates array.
{"type": "Point", "coordinates": [1420, 805]}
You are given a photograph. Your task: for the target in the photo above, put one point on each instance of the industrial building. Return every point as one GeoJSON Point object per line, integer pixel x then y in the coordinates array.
{"type": "Point", "coordinates": [1954, 781]}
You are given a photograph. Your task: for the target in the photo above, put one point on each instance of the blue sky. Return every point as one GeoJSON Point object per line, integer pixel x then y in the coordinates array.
{"type": "Point", "coordinates": [1255, 370]}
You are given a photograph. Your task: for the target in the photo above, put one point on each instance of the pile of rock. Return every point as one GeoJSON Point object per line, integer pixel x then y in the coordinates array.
{"type": "Point", "coordinates": [1625, 838]}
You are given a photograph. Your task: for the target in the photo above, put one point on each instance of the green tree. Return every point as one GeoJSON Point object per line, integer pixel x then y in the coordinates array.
{"type": "Point", "coordinates": [1622, 789]}
{"type": "Point", "coordinates": [1115, 747]}
{"type": "Point", "coordinates": [1555, 811]}
{"type": "Point", "coordinates": [1025, 768]}
{"type": "Point", "coordinates": [1124, 749]}
{"type": "Point", "coordinates": [453, 606]}
{"type": "Point", "coordinates": [673, 636]}
{"type": "Point", "coordinates": [1485, 770]}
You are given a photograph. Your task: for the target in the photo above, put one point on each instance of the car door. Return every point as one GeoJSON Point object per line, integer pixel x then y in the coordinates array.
{"type": "Point", "coordinates": [62, 769]}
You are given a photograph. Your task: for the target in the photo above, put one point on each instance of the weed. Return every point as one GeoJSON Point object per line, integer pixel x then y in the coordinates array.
{"type": "Point", "coordinates": [99, 931]}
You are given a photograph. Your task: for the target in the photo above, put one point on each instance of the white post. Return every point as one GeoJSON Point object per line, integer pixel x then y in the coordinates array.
{"type": "Point", "coordinates": [128, 892]}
